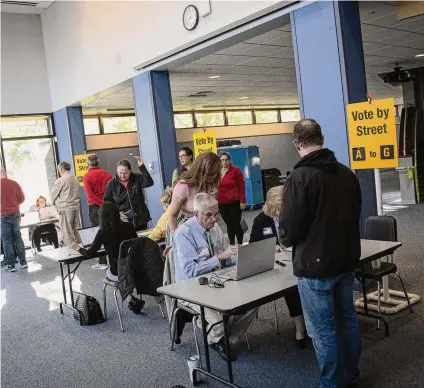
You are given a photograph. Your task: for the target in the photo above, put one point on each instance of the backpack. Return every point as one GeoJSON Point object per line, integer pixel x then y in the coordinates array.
{"type": "Point", "coordinates": [89, 307]}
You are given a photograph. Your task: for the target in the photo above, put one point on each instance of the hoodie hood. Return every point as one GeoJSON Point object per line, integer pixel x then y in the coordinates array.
{"type": "Point", "coordinates": [323, 159]}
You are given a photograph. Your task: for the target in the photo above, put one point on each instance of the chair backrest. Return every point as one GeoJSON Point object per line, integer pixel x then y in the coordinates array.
{"type": "Point", "coordinates": [383, 228]}
{"type": "Point", "coordinates": [125, 247]}
{"type": "Point", "coordinates": [146, 265]}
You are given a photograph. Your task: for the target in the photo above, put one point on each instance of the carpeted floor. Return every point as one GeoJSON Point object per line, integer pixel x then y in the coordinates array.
{"type": "Point", "coordinates": [43, 349]}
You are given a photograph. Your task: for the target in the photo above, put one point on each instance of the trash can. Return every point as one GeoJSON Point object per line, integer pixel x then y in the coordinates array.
{"type": "Point", "coordinates": [407, 177]}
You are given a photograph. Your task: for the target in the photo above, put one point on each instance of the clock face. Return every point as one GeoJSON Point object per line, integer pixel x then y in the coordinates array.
{"type": "Point", "coordinates": [190, 17]}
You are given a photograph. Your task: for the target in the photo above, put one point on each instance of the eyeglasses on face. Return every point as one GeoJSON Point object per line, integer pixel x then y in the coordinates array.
{"type": "Point", "coordinates": [211, 215]}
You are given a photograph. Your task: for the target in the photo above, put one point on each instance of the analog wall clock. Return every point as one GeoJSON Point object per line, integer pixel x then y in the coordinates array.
{"type": "Point", "coordinates": [190, 17]}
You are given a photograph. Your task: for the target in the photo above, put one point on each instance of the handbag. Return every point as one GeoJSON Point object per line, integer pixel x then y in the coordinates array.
{"type": "Point", "coordinates": [89, 307]}
{"type": "Point", "coordinates": [243, 224]}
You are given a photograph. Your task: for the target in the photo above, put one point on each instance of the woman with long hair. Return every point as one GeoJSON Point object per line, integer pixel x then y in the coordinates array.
{"type": "Point", "coordinates": [202, 177]}
{"type": "Point", "coordinates": [112, 231]}
{"type": "Point", "coordinates": [47, 232]}
{"type": "Point", "coordinates": [265, 225]}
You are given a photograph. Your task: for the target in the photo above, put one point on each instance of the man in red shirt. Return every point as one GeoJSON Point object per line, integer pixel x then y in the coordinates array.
{"type": "Point", "coordinates": [11, 196]}
{"type": "Point", "coordinates": [95, 182]}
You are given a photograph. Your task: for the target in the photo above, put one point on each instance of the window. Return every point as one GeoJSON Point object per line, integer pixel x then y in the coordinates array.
{"type": "Point", "coordinates": [25, 126]}
{"type": "Point", "coordinates": [32, 163]}
{"type": "Point", "coordinates": [290, 115]}
{"type": "Point", "coordinates": [119, 124]}
{"type": "Point", "coordinates": [266, 116]}
{"type": "Point", "coordinates": [183, 120]}
{"type": "Point", "coordinates": [240, 118]}
{"type": "Point", "coordinates": [91, 126]}
{"type": "Point", "coordinates": [212, 119]}
{"type": "Point", "coordinates": [31, 159]}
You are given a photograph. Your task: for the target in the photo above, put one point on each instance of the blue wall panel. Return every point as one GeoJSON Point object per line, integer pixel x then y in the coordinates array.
{"type": "Point", "coordinates": [156, 132]}
{"type": "Point", "coordinates": [330, 68]}
{"type": "Point", "coordinates": [69, 127]}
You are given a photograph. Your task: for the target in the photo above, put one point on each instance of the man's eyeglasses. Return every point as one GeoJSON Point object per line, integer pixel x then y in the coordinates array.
{"type": "Point", "coordinates": [212, 215]}
{"type": "Point", "coordinates": [183, 156]}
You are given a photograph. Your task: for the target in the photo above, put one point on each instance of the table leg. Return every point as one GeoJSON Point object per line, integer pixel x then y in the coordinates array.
{"type": "Point", "coordinates": [70, 285]}
{"type": "Point", "coordinates": [366, 313]}
{"type": "Point", "coordinates": [205, 339]}
{"type": "Point", "coordinates": [63, 287]}
{"type": "Point", "coordinates": [227, 347]}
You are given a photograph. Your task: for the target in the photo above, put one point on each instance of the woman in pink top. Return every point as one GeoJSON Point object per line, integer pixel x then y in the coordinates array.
{"type": "Point", "coordinates": [202, 177]}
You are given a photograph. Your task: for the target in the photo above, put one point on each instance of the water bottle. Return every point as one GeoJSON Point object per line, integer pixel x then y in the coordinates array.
{"type": "Point", "coordinates": [194, 362]}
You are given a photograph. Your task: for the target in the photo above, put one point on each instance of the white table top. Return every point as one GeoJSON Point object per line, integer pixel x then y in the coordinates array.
{"type": "Point", "coordinates": [242, 292]}
{"type": "Point", "coordinates": [33, 219]}
{"type": "Point", "coordinates": [373, 250]}
{"type": "Point", "coordinates": [64, 254]}
{"type": "Point", "coordinates": [236, 294]}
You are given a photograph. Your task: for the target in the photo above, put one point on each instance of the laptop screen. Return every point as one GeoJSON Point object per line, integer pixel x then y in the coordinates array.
{"type": "Point", "coordinates": [48, 212]}
{"type": "Point", "coordinates": [87, 235]}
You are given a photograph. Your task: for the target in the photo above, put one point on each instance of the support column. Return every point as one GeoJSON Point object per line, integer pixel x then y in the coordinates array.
{"type": "Point", "coordinates": [156, 133]}
{"type": "Point", "coordinates": [69, 127]}
{"type": "Point", "coordinates": [330, 71]}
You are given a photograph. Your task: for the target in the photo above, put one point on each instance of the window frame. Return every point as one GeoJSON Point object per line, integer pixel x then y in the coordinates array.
{"type": "Point", "coordinates": [291, 109]}
{"type": "Point", "coordinates": [268, 110]}
{"type": "Point", "coordinates": [50, 125]}
{"type": "Point", "coordinates": [240, 110]}
{"type": "Point", "coordinates": [195, 112]}
{"type": "Point", "coordinates": [52, 136]}
{"type": "Point", "coordinates": [193, 118]}
{"type": "Point", "coordinates": [107, 116]}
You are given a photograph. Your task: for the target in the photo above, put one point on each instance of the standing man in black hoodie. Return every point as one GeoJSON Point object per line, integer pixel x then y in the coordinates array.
{"type": "Point", "coordinates": [320, 219]}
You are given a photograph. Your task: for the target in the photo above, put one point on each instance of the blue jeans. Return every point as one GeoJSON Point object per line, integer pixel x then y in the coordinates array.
{"type": "Point", "coordinates": [332, 324]}
{"type": "Point", "coordinates": [11, 236]}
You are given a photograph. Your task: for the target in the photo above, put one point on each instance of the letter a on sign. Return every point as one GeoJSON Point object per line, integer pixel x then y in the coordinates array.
{"type": "Point", "coordinates": [358, 154]}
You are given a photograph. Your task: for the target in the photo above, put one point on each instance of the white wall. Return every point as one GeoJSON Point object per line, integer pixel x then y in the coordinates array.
{"type": "Point", "coordinates": [24, 82]}
{"type": "Point", "coordinates": [93, 45]}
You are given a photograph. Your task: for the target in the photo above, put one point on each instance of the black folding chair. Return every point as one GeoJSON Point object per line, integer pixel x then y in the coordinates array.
{"type": "Point", "coordinates": [383, 228]}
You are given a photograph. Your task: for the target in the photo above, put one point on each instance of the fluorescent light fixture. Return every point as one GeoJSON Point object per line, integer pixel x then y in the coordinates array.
{"type": "Point", "coordinates": [214, 76]}
{"type": "Point", "coordinates": [419, 55]}
{"type": "Point", "coordinates": [244, 98]}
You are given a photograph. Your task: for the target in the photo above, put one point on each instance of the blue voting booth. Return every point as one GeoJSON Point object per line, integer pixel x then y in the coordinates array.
{"type": "Point", "coordinates": [247, 159]}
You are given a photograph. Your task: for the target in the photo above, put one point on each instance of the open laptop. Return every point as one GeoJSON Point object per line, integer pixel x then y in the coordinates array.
{"type": "Point", "coordinates": [87, 235]}
{"type": "Point", "coordinates": [47, 213]}
{"type": "Point", "coordinates": [252, 259]}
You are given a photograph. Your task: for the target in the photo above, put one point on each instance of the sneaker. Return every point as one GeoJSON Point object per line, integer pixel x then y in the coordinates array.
{"type": "Point", "coordinates": [99, 266]}
{"type": "Point", "coordinates": [219, 347]}
{"type": "Point", "coordinates": [10, 268]}
{"type": "Point", "coordinates": [23, 266]}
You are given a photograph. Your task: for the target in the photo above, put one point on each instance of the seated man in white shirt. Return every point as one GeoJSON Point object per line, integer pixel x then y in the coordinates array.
{"type": "Point", "coordinates": [199, 247]}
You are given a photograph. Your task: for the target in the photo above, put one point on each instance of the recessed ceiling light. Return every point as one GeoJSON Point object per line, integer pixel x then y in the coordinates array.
{"type": "Point", "coordinates": [419, 55]}
{"type": "Point", "coordinates": [244, 98]}
{"type": "Point", "coordinates": [214, 76]}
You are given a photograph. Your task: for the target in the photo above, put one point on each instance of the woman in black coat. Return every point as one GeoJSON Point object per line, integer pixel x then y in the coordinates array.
{"type": "Point", "coordinates": [126, 191]}
{"type": "Point", "coordinates": [265, 226]}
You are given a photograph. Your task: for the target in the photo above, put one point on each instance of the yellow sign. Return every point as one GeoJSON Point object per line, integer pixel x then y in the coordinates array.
{"type": "Point", "coordinates": [81, 166]}
{"type": "Point", "coordinates": [204, 141]}
{"type": "Point", "coordinates": [372, 134]}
